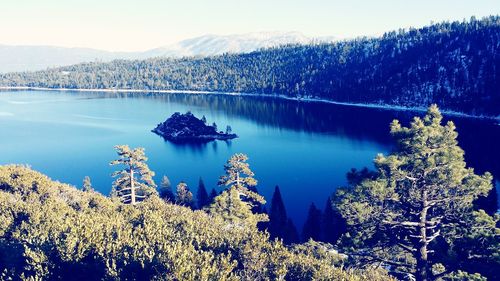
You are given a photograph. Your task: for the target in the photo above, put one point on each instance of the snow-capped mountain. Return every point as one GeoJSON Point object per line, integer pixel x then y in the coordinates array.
{"type": "Point", "coordinates": [29, 58]}
{"type": "Point", "coordinates": [210, 45]}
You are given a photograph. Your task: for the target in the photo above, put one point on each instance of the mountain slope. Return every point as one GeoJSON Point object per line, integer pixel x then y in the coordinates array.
{"type": "Point", "coordinates": [211, 45]}
{"type": "Point", "coordinates": [455, 65]}
{"type": "Point", "coordinates": [31, 58]}
{"type": "Point", "coordinates": [24, 58]}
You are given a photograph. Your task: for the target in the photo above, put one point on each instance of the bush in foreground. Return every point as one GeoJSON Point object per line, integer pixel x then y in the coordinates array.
{"type": "Point", "coordinates": [51, 231]}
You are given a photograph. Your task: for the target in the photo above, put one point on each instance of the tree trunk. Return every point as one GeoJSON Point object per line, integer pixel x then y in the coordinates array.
{"type": "Point", "coordinates": [132, 188]}
{"type": "Point", "coordinates": [422, 273]}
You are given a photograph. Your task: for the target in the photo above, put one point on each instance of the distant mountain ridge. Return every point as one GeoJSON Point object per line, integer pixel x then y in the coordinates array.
{"type": "Point", "coordinates": [452, 64]}
{"type": "Point", "coordinates": [28, 58]}
{"type": "Point", "coordinates": [211, 45]}
{"type": "Point", "coordinates": [32, 58]}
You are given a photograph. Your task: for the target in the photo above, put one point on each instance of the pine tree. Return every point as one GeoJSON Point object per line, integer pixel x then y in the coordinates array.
{"type": "Point", "coordinates": [213, 194]}
{"type": "Point", "coordinates": [263, 225]}
{"type": "Point", "coordinates": [135, 181]}
{"type": "Point", "coordinates": [202, 195]}
{"type": "Point", "coordinates": [423, 194]}
{"type": "Point", "coordinates": [333, 225]}
{"type": "Point", "coordinates": [277, 216]}
{"type": "Point", "coordinates": [256, 203]}
{"type": "Point", "coordinates": [291, 234]}
{"type": "Point", "coordinates": [238, 181]}
{"type": "Point", "coordinates": [184, 196]}
{"type": "Point", "coordinates": [489, 203]}
{"type": "Point", "coordinates": [239, 176]}
{"type": "Point", "coordinates": [113, 194]}
{"type": "Point", "coordinates": [312, 226]}
{"type": "Point", "coordinates": [87, 185]}
{"type": "Point", "coordinates": [232, 209]}
{"type": "Point", "coordinates": [355, 177]}
{"type": "Point", "coordinates": [165, 190]}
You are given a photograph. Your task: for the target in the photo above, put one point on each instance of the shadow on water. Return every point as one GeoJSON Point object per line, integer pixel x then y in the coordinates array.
{"type": "Point", "coordinates": [197, 146]}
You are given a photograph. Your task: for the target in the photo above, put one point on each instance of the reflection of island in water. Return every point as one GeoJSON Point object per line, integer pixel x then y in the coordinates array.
{"type": "Point", "coordinates": [186, 128]}
{"type": "Point", "coordinates": [477, 137]}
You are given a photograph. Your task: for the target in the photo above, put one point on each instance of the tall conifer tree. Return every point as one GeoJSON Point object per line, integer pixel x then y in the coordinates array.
{"type": "Point", "coordinates": [213, 194]}
{"type": "Point", "coordinates": [134, 181]}
{"type": "Point", "coordinates": [277, 216]}
{"type": "Point", "coordinates": [291, 233]}
{"type": "Point", "coordinates": [423, 195]}
{"type": "Point", "coordinates": [238, 181]}
{"type": "Point", "coordinates": [165, 191]}
{"type": "Point", "coordinates": [333, 225]}
{"type": "Point", "coordinates": [202, 195]}
{"type": "Point", "coordinates": [312, 226]}
{"type": "Point", "coordinates": [239, 176]}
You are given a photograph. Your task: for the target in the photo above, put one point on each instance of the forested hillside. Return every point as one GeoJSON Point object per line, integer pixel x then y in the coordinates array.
{"type": "Point", "coordinates": [455, 65]}
{"type": "Point", "coordinates": [52, 231]}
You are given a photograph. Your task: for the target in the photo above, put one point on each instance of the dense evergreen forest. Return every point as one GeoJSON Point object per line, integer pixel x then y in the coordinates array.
{"type": "Point", "coordinates": [455, 65]}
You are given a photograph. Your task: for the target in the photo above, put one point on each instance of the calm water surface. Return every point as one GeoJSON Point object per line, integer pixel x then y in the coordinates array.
{"type": "Point", "coordinates": [305, 148]}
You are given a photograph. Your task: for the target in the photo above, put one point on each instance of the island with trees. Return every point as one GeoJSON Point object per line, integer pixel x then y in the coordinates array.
{"type": "Point", "coordinates": [187, 128]}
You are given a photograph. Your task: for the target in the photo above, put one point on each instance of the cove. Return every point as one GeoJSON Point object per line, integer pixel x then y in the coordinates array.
{"type": "Point", "coordinates": [304, 147]}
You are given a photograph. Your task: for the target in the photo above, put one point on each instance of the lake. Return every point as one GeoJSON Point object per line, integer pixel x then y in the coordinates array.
{"type": "Point", "coordinates": [304, 147]}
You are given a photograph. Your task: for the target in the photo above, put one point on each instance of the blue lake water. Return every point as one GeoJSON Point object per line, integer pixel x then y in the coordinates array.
{"type": "Point", "coordinates": [305, 148]}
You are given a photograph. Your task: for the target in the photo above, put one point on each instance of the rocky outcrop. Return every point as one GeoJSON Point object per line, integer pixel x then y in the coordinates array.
{"type": "Point", "coordinates": [186, 128]}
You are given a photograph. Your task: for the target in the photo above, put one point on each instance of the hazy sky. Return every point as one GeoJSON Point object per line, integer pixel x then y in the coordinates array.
{"type": "Point", "coordinates": [134, 25]}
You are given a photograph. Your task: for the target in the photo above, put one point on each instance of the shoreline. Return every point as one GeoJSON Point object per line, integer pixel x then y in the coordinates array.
{"type": "Point", "coordinates": [299, 99]}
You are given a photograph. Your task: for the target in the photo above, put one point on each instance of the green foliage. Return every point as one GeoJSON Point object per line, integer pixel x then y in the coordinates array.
{"type": "Point", "coordinates": [52, 231]}
{"type": "Point", "coordinates": [477, 246]}
{"type": "Point", "coordinates": [184, 196]}
{"type": "Point", "coordinates": [305, 265]}
{"type": "Point", "coordinates": [165, 190]}
{"type": "Point", "coordinates": [239, 176]}
{"type": "Point", "coordinates": [423, 195]}
{"type": "Point", "coordinates": [464, 276]}
{"type": "Point", "coordinates": [355, 177]}
{"type": "Point", "coordinates": [135, 181]}
{"type": "Point", "coordinates": [229, 206]}
{"type": "Point", "coordinates": [236, 202]}
{"type": "Point", "coordinates": [87, 185]}
{"type": "Point", "coordinates": [489, 203]}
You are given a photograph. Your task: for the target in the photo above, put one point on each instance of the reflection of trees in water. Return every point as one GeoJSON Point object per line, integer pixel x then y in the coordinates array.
{"type": "Point", "coordinates": [198, 147]}
{"type": "Point", "coordinates": [479, 138]}
{"type": "Point", "coordinates": [310, 117]}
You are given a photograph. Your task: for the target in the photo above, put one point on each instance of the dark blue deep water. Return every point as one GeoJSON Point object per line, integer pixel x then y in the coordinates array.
{"type": "Point", "coordinates": [305, 148]}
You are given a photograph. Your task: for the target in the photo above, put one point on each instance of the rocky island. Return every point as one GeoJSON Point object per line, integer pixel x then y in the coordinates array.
{"type": "Point", "coordinates": [187, 128]}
